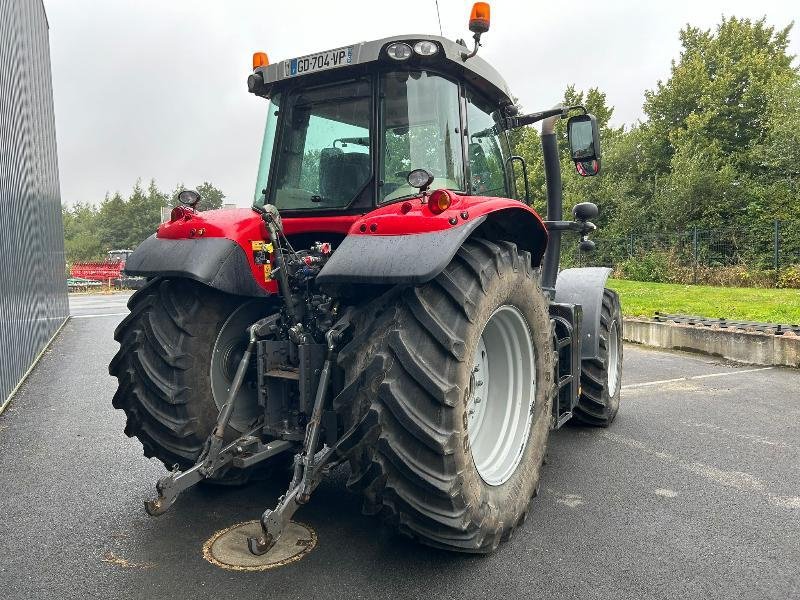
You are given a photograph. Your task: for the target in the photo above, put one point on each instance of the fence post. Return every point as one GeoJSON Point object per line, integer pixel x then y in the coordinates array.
{"type": "Point", "coordinates": [694, 255]}
{"type": "Point", "coordinates": [777, 250]}
{"type": "Point", "coordinates": [630, 247]}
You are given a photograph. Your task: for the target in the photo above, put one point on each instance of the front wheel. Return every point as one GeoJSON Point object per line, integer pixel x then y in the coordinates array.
{"type": "Point", "coordinates": [450, 386]}
{"type": "Point", "coordinates": [601, 378]}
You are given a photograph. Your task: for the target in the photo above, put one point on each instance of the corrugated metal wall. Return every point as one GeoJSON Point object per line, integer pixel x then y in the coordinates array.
{"type": "Point", "coordinates": [33, 294]}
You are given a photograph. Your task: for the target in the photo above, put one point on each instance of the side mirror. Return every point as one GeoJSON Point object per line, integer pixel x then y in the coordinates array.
{"type": "Point", "coordinates": [584, 144]}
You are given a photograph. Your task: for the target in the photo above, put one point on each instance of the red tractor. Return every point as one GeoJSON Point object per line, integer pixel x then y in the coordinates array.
{"type": "Point", "coordinates": [387, 302]}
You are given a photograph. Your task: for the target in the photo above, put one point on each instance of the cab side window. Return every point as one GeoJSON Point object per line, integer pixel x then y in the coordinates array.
{"type": "Point", "coordinates": [487, 149]}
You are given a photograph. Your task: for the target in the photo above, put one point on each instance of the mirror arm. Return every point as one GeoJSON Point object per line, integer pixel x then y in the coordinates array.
{"type": "Point", "coordinates": [582, 227]}
{"type": "Point", "coordinates": [522, 120]}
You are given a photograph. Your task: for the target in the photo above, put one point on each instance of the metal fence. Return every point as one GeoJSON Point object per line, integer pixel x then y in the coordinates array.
{"type": "Point", "coordinates": [756, 255]}
{"type": "Point", "coordinates": [33, 294]}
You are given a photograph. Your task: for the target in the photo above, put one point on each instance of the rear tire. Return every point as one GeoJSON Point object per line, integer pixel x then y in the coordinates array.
{"type": "Point", "coordinates": [601, 378]}
{"type": "Point", "coordinates": [410, 386]}
{"type": "Point", "coordinates": [163, 370]}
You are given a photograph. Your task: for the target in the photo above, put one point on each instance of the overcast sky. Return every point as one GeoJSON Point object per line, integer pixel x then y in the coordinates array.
{"type": "Point", "coordinates": [157, 89]}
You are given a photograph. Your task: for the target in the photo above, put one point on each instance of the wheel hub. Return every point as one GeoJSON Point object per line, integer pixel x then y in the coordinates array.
{"type": "Point", "coordinates": [225, 356]}
{"type": "Point", "coordinates": [502, 392]}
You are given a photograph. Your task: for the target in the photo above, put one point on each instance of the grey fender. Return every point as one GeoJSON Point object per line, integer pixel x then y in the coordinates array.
{"type": "Point", "coordinates": [393, 259]}
{"type": "Point", "coordinates": [585, 287]}
{"type": "Point", "coordinates": [217, 262]}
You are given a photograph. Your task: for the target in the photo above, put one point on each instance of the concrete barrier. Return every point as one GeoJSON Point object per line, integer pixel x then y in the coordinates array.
{"type": "Point", "coordinates": [737, 345]}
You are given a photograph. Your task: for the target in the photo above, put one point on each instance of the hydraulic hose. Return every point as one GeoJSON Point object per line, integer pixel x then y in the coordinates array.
{"type": "Point", "coordinates": [272, 220]}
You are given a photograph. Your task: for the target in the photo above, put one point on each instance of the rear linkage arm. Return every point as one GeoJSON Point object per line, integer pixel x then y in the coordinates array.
{"type": "Point", "coordinates": [214, 456]}
{"type": "Point", "coordinates": [309, 466]}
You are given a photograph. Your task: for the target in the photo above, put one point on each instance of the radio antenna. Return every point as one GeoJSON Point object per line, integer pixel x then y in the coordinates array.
{"type": "Point", "coordinates": [439, 18]}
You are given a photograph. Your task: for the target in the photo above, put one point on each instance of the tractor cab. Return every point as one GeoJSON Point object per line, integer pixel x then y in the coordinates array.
{"type": "Point", "coordinates": [346, 127]}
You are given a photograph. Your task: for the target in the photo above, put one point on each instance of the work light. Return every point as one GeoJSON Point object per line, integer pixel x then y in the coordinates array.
{"type": "Point", "coordinates": [419, 178]}
{"type": "Point", "coordinates": [426, 48]}
{"type": "Point", "coordinates": [398, 51]}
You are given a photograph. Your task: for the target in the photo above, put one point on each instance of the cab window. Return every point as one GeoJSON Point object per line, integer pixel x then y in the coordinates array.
{"type": "Point", "coordinates": [325, 156]}
{"type": "Point", "coordinates": [420, 130]}
{"type": "Point", "coordinates": [487, 149]}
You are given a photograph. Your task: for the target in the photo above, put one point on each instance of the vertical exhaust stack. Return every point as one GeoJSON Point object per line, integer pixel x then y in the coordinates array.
{"type": "Point", "coordinates": [552, 173]}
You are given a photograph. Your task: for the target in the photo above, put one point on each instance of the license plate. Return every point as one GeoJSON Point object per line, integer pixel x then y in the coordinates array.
{"type": "Point", "coordinates": [318, 62]}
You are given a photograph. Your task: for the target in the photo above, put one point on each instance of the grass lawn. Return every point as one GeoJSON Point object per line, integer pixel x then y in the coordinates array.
{"type": "Point", "coordinates": [746, 304]}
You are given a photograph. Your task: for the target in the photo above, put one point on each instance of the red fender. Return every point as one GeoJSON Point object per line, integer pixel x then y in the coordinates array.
{"type": "Point", "coordinates": [498, 218]}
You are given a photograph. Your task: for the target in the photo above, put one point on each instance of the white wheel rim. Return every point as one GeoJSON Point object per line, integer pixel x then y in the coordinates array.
{"type": "Point", "coordinates": [613, 359]}
{"type": "Point", "coordinates": [233, 337]}
{"type": "Point", "coordinates": [502, 395]}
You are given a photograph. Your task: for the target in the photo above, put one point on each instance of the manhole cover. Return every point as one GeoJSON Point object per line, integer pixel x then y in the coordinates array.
{"type": "Point", "coordinates": [228, 548]}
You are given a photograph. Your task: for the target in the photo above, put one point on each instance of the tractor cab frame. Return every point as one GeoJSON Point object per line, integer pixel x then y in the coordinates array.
{"type": "Point", "coordinates": [353, 130]}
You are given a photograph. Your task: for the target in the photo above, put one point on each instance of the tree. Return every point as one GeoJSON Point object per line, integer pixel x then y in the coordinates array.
{"type": "Point", "coordinates": [143, 211]}
{"type": "Point", "coordinates": [81, 241]}
{"type": "Point", "coordinates": [719, 88]}
{"type": "Point", "coordinates": [117, 223]}
{"type": "Point", "coordinates": [113, 222]}
{"type": "Point", "coordinates": [211, 197]}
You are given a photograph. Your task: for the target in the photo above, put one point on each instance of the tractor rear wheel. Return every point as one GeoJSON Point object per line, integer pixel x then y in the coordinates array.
{"type": "Point", "coordinates": [450, 385]}
{"type": "Point", "coordinates": [179, 349]}
{"type": "Point", "coordinates": [601, 377]}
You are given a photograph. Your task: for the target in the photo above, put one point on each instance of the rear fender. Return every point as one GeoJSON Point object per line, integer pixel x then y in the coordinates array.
{"type": "Point", "coordinates": [215, 261]}
{"type": "Point", "coordinates": [585, 287]}
{"type": "Point", "coordinates": [390, 247]}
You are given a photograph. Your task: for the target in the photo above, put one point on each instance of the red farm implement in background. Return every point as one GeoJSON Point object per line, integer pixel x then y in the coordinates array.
{"type": "Point", "coordinates": [106, 270]}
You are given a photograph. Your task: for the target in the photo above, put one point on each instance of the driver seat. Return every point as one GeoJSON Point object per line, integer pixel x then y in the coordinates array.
{"type": "Point", "coordinates": [342, 175]}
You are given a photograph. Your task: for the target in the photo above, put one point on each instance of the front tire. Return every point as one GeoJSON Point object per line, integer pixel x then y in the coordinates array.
{"type": "Point", "coordinates": [601, 378]}
{"type": "Point", "coordinates": [410, 384]}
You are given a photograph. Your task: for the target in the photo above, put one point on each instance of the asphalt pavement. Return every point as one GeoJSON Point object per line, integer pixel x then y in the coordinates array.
{"type": "Point", "coordinates": [694, 492]}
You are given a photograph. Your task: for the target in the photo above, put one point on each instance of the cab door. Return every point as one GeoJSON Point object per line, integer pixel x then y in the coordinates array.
{"type": "Point", "coordinates": [487, 150]}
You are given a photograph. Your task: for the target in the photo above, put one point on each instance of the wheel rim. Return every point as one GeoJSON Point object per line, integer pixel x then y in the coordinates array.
{"type": "Point", "coordinates": [228, 348]}
{"type": "Point", "coordinates": [613, 359]}
{"type": "Point", "coordinates": [501, 396]}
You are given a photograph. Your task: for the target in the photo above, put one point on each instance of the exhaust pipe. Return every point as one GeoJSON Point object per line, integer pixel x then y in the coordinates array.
{"type": "Point", "coordinates": [555, 208]}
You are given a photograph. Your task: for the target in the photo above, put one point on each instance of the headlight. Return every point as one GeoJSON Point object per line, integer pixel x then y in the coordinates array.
{"type": "Point", "coordinates": [398, 51]}
{"type": "Point", "coordinates": [426, 48]}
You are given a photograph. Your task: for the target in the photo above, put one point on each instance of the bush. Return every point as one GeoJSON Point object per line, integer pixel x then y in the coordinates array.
{"type": "Point", "coordinates": [789, 277]}
{"type": "Point", "coordinates": [654, 267]}
{"type": "Point", "coordinates": [670, 267]}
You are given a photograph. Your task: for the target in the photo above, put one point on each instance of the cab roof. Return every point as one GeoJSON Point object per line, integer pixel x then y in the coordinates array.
{"type": "Point", "coordinates": [449, 59]}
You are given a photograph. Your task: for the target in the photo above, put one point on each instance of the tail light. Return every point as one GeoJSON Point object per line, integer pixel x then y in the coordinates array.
{"type": "Point", "coordinates": [439, 201]}
{"type": "Point", "coordinates": [180, 213]}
